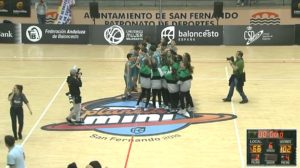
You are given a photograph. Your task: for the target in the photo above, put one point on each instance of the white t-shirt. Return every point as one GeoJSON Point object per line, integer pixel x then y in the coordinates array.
{"type": "Point", "coordinates": [41, 8]}
{"type": "Point", "coordinates": [16, 157]}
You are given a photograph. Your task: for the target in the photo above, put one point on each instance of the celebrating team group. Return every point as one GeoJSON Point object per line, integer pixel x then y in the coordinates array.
{"type": "Point", "coordinates": [166, 75]}
{"type": "Point", "coordinates": [162, 74]}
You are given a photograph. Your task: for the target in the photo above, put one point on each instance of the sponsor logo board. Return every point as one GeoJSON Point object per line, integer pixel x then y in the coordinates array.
{"type": "Point", "coordinates": [259, 35]}
{"type": "Point", "coordinates": [55, 34]}
{"type": "Point", "coordinates": [192, 35]}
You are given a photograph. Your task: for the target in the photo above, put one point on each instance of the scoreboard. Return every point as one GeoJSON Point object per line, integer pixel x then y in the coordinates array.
{"type": "Point", "coordinates": [271, 147]}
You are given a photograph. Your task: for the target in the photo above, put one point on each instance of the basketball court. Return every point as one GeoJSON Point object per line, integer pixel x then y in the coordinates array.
{"type": "Point", "coordinates": [272, 87]}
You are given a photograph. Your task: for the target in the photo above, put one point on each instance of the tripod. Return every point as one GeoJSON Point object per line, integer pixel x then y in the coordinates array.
{"type": "Point", "coordinates": [94, 11]}
{"type": "Point", "coordinates": [94, 20]}
{"type": "Point", "coordinates": [217, 18]}
{"type": "Point", "coordinates": [218, 11]}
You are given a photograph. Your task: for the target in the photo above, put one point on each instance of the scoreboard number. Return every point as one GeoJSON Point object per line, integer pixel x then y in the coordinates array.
{"type": "Point", "coordinates": [285, 148]}
{"type": "Point", "coordinates": [255, 148]}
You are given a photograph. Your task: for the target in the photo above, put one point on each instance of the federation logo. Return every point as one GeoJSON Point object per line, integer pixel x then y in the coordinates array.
{"type": "Point", "coordinates": [168, 32]}
{"type": "Point", "coordinates": [117, 117]}
{"type": "Point", "coordinates": [114, 34]}
{"type": "Point", "coordinates": [250, 36]}
{"type": "Point", "coordinates": [265, 18]}
{"type": "Point", "coordinates": [34, 34]}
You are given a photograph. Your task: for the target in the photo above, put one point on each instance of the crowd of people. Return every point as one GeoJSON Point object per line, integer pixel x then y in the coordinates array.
{"type": "Point", "coordinates": [166, 76]}
{"type": "Point", "coordinates": [162, 73]}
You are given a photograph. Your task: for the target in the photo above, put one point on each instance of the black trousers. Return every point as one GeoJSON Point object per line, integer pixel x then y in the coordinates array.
{"type": "Point", "coordinates": [156, 92]}
{"type": "Point", "coordinates": [166, 96]}
{"type": "Point", "coordinates": [174, 99]}
{"type": "Point", "coordinates": [185, 97]}
{"type": "Point", "coordinates": [145, 93]}
{"type": "Point", "coordinates": [17, 113]}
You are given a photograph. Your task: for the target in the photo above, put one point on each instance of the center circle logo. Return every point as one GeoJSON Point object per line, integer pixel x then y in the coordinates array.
{"type": "Point", "coordinates": [119, 117]}
{"type": "Point", "coordinates": [114, 34]}
{"type": "Point", "coordinates": [34, 34]}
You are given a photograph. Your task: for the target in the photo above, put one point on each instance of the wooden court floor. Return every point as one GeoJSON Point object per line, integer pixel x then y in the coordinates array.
{"type": "Point", "coordinates": [273, 80]}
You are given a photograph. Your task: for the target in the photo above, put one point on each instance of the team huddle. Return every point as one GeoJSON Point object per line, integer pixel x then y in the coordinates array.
{"type": "Point", "coordinates": [163, 74]}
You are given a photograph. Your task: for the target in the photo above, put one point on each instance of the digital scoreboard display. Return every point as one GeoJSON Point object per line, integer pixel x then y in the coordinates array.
{"type": "Point", "coordinates": [271, 147]}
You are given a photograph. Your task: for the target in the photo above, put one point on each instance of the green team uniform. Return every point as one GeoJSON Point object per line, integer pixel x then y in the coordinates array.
{"type": "Point", "coordinates": [145, 76]}
{"type": "Point", "coordinates": [172, 79]}
{"type": "Point", "coordinates": [156, 77]}
{"type": "Point", "coordinates": [164, 70]}
{"type": "Point", "coordinates": [185, 79]}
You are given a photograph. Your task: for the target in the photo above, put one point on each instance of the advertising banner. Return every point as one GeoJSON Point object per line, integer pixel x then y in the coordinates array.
{"type": "Point", "coordinates": [123, 35]}
{"type": "Point", "coordinates": [129, 35]}
{"type": "Point", "coordinates": [17, 8]}
{"type": "Point", "coordinates": [295, 8]}
{"type": "Point", "coordinates": [20, 8]}
{"type": "Point", "coordinates": [259, 35]}
{"type": "Point", "coordinates": [192, 35]}
{"type": "Point", "coordinates": [10, 33]}
{"type": "Point", "coordinates": [65, 13]}
{"type": "Point", "coordinates": [5, 8]}
{"type": "Point", "coordinates": [55, 34]}
{"type": "Point", "coordinates": [121, 16]}
{"type": "Point", "coordinates": [297, 34]}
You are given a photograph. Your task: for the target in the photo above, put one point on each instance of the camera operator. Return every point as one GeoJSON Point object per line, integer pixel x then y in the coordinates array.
{"type": "Point", "coordinates": [74, 83]}
{"type": "Point", "coordinates": [237, 79]}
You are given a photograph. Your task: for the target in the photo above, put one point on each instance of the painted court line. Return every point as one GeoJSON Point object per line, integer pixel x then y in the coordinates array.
{"type": "Point", "coordinates": [130, 145]}
{"type": "Point", "coordinates": [128, 153]}
{"type": "Point", "coordinates": [236, 127]}
{"type": "Point", "coordinates": [43, 113]}
{"type": "Point", "coordinates": [131, 142]}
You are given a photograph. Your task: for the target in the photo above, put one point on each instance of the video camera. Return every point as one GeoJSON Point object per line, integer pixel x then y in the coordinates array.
{"type": "Point", "coordinates": [75, 71]}
{"type": "Point", "coordinates": [78, 72]}
{"type": "Point", "coordinates": [230, 58]}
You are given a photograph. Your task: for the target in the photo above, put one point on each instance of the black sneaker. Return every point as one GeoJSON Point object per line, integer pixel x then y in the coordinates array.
{"type": "Point", "coordinates": [244, 102]}
{"type": "Point", "coordinates": [16, 138]}
{"type": "Point", "coordinates": [69, 120]}
{"type": "Point", "coordinates": [79, 122]}
{"type": "Point", "coordinates": [226, 100]}
{"type": "Point", "coordinates": [20, 135]}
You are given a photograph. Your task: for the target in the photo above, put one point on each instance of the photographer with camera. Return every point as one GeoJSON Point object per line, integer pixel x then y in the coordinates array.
{"type": "Point", "coordinates": [237, 79]}
{"type": "Point", "coordinates": [74, 83]}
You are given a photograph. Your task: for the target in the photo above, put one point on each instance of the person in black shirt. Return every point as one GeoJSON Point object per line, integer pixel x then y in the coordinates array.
{"type": "Point", "coordinates": [16, 98]}
{"type": "Point", "coordinates": [74, 83]}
